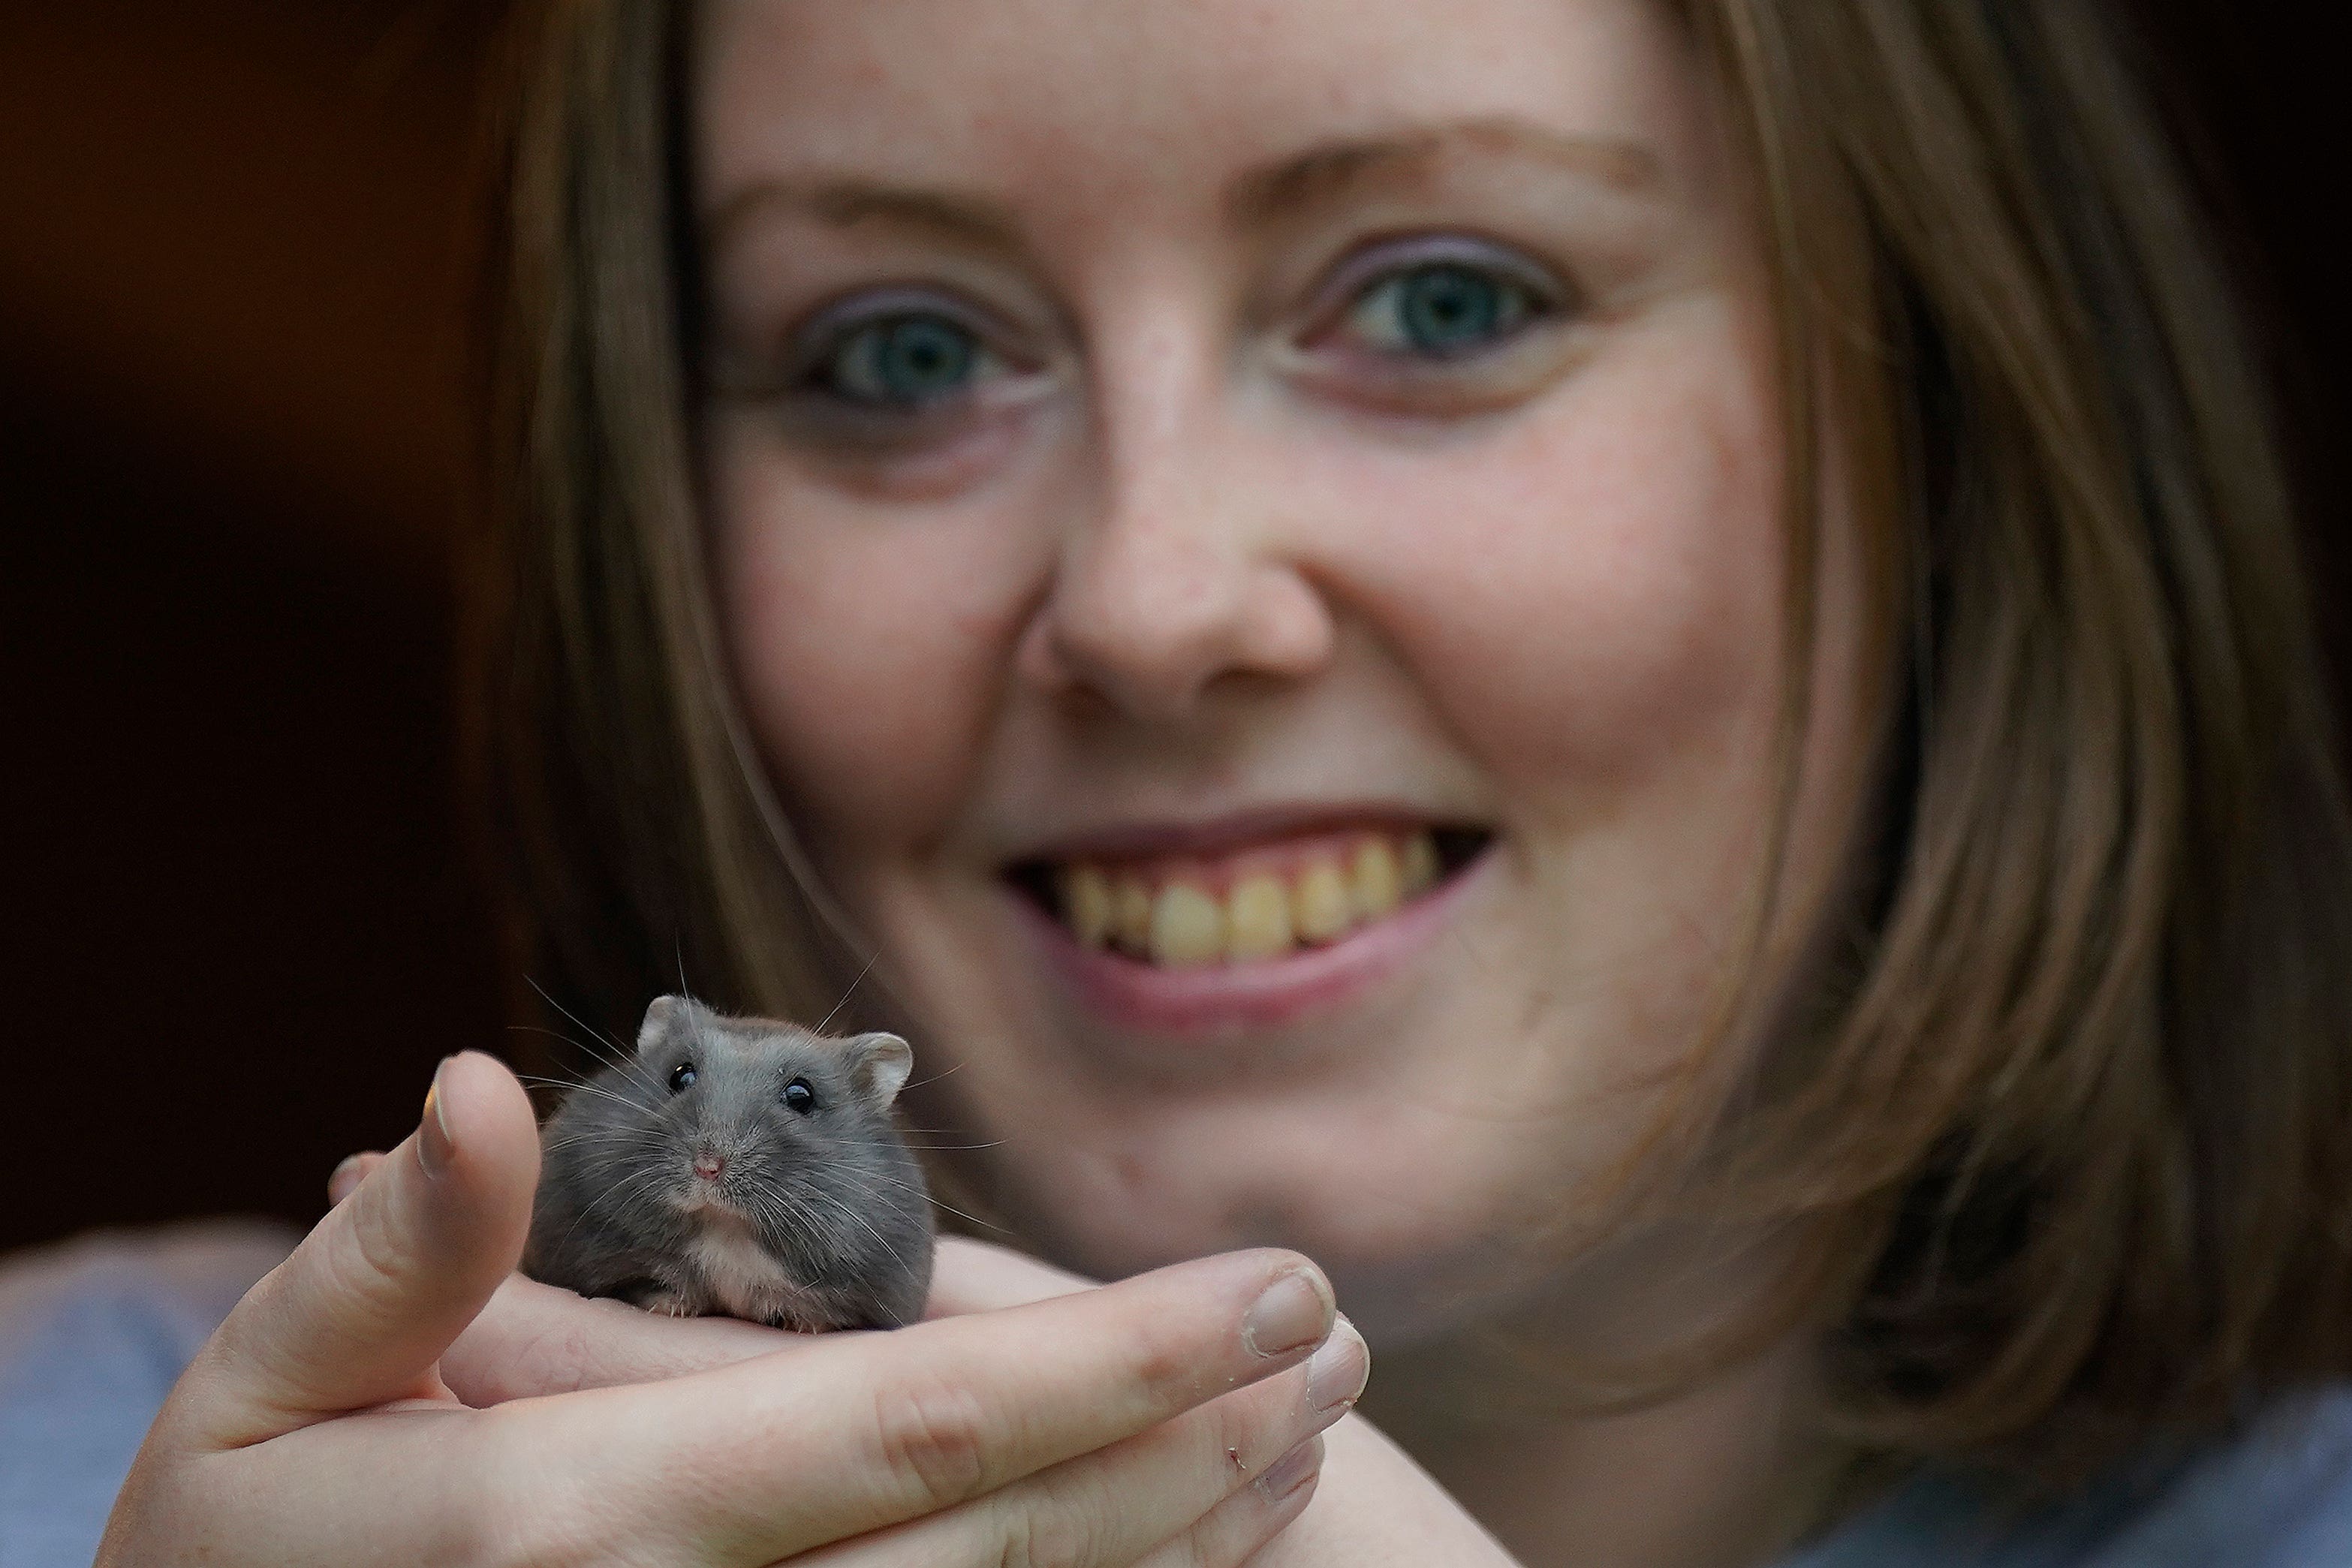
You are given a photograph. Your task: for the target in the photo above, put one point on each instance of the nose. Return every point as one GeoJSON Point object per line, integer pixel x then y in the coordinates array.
{"type": "Point", "coordinates": [1179, 572]}
{"type": "Point", "coordinates": [709, 1167]}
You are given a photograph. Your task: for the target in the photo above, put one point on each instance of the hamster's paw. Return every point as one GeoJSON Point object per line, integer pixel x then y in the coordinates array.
{"type": "Point", "coordinates": [669, 1304]}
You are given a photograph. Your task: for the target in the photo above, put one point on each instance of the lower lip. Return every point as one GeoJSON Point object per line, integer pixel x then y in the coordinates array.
{"type": "Point", "coordinates": [1216, 997]}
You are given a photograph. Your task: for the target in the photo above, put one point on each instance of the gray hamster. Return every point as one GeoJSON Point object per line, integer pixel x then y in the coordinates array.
{"type": "Point", "coordinates": [738, 1166]}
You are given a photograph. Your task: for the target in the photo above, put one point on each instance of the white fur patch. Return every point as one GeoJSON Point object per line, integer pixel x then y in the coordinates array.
{"type": "Point", "coordinates": [746, 1282]}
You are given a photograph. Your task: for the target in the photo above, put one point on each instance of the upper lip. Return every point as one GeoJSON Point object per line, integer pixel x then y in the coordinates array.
{"type": "Point", "coordinates": [1136, 841]}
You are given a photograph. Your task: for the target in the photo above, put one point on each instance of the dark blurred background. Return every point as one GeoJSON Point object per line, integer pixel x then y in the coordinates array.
{"type": "Point", "coordinates": [245, 912]}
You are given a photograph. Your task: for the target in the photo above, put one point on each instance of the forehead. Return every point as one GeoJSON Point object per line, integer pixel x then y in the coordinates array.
{"type": "Point", "coordinates": [716, 1042]}
{"type": "Point", "coordinates": [1063, 108]}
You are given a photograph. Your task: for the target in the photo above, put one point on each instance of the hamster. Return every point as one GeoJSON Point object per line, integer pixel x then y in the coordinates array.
{"type": "Point", "coordinates": [741, 1166]}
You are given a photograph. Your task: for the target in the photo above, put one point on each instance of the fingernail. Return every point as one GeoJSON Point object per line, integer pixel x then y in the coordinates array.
{"type": "Point", "coordinates": [345, 1179]}
{"type": "Point", "coordinates": [1293, 1471]}
{"type": "Point", "coordinates": [435, 1148]}
{"type": "Point", "coordinates": [1337, 1373]}
{"type": "Point", "coordinates": [1294, 1310]}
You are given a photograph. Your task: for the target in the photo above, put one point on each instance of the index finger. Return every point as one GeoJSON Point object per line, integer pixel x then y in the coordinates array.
{"type": "Point", "coordinates": [852, 1432]}
{"type": "Point", "coordinates": [534, 1339]}
{"type": "Point", "coordinates": [970, 1276]}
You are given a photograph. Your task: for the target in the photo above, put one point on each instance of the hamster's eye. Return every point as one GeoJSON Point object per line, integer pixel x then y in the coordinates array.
{"type": "Point", "coordinates": [681, 1077]}
{"type": "Point", "coordinates": [799, 1096]}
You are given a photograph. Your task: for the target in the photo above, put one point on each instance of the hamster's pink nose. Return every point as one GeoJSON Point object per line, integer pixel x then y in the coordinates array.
{"type": "Point", "coordinates": [708, 1166]}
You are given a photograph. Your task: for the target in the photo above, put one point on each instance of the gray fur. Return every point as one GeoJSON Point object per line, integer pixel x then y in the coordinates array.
{"type": "Point", "coordinates": [832, 1198]}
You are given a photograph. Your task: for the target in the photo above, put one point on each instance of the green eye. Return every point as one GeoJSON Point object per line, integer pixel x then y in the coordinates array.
{"type": "Point", "coordinates": [904, 361]}
{"type": "Point", "coordinates": [1441, 310]}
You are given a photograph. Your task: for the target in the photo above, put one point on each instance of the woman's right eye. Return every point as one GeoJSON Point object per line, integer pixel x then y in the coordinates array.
{"type": "Point", "coordinates": [904, 361]}
{"type": "Point", "coordinates": [681, 1077]}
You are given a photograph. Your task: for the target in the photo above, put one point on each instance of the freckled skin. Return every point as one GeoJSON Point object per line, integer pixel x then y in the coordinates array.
{"type": "Point", "coordinates": [832, 1197]}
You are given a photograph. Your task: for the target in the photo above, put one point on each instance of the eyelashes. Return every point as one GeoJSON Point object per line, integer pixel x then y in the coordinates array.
{"type": "Point", "coordinates": [1443, 310]}
{"type": "Point", "coordinates": [908, 358]}
{"type": "Point", "coordinates": [1396, 323]}
{"type": "Point", "coordinates": [1435, 301]}
{"type": "Point", "coordinates": [878, 372]}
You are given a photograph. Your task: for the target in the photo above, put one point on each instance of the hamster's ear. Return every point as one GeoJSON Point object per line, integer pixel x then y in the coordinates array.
{"type": "Point", "coordinates": [879, 1065]}
{"type": "Point", "coordinates": [664, 1018]}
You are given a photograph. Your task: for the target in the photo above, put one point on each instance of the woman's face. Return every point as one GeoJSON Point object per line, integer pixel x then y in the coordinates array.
{"type": "Point", "coordinates": [1248, 537]}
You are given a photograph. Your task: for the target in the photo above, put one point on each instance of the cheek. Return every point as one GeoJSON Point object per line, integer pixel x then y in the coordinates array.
{"type": "Point", "coordinates": [1608, 600]}
{"type": "Point", "coordinates": [869, 644]}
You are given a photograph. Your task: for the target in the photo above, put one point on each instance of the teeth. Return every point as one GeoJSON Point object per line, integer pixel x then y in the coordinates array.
{"type": "Point", "coordinates": [1086, 905]}
{"type": "Point", "coordinates": [1375, 882]}
{"type": "Point", "coordinates": [1420, 867]}
{"type": "Point", "coordinates": [1257, 919]}
{"type": "Point", "coordinates": [1319, 910]}
{"type": "Point", "coordinates": [1131, 913]}
{"type": "Point", "coordinates": [1262, 914]}
{"type": "Point", "coordinates": [1188, 927]}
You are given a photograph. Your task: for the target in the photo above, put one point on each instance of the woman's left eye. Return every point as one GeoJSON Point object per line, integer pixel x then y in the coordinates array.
{"type": "Point", "coordinates": [905, 361]}
{"type": "Point", "coordinates": [1441, 311]}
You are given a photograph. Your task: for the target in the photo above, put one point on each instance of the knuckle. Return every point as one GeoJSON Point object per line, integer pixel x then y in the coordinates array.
{"type": "Point", "coordinates": [1189, 1550]}
{"type": "Point", "coordinates": [1249, 1429]}
{"type": "Point", "coordinates": [1049, 1537]}
{"type": "Point", "coordinates": [472, 1523]}
{"type": "Point", "coordinates": [1166, 1358]}
{"type": "Point", "coordinates": [934, 1435]}
{"type": "Point", "coordinates": [554, 1357]}
{"type": "Point", "coordinates": [377, 1258]}
{"type": "Point", "coordinates": [512, 1511]}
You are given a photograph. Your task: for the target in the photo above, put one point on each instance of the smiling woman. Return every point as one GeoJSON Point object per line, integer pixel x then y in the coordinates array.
{"type": "Point", "coordinates": [1234, 565]}
{"type": "Point", "coordinates": [1633, 671]}
{"type": "Point", "coordinates": [1375, 623]}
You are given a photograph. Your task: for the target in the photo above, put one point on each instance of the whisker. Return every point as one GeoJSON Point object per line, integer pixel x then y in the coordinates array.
{"type": "Point", "coordinates": [628, 1137]}
{"type": "Point", "coordinates": [925, 1195]}
{"type": "Point", "coordinates": [596, 1053]}
{"type": "Point", "coordinates": [850, 1213]}
{"type": "Point", "coordinates": [623, 1050]}
{"type": "Point", "coordinates": [615, 1191]}
{"type": "Point", "coordinates": [592, 1051]}
{"type": "Point", "coordinates": [969, 1219]}
{"type": "Point", "coordinates": [802, 1216]}
{"type": "Point", "coordinates": [851, 992]}
{"type": "Point", "coordinates": [593, 1087]}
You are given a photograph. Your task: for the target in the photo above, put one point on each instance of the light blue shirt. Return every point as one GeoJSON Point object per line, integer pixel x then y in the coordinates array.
{"type": "Point", "coordinates": [94, 1334]}
{"type": "Point", "coordinates": [2279, 1496]}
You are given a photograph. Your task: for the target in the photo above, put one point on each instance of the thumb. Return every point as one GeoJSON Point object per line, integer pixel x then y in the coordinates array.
{"type": "Point", "coordinates": [373, 1295]}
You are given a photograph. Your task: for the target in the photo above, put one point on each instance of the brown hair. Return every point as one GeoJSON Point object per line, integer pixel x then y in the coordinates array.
{"type": "Point", "coordinates": [2064, 1120]}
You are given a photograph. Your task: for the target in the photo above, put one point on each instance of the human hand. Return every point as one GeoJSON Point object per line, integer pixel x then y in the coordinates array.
{"type": "Point", "coordinates": [1373, 1506]}
{"type": "Point", "coordinates": [1166, 1420]}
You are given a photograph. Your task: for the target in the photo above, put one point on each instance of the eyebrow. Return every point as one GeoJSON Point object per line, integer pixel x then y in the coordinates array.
{"type": "Point", "coordinates": [1318, 174]}
{"type": "Point", "coordinates": [844, 202]}
{"type": "Point", "coordinates": [1322, 172]}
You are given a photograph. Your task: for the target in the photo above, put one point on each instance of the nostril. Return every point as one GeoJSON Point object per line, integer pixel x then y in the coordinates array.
{"type": "Point", "coordinates": [709, 1167]}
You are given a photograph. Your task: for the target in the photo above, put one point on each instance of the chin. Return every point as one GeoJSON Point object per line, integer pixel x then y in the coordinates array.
{"type": "Point", "coordinates": [1408, 1233]}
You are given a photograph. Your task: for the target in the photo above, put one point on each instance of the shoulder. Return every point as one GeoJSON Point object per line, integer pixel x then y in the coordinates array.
{"type": "Point", "coordinates": [93, 1333]}
{"type": "Point", "coordinates": [2277, 1495]}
